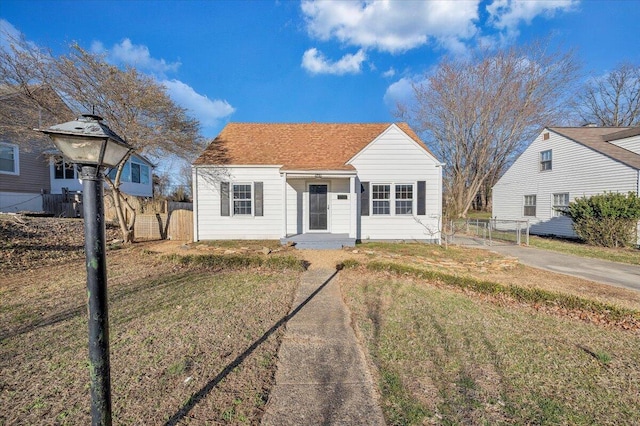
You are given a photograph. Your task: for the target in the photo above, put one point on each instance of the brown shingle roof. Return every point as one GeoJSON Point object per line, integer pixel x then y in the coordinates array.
{"type": "Point", "coordinates": [596, 138]}
{"type": "Point", "coordinates": [294, 146]}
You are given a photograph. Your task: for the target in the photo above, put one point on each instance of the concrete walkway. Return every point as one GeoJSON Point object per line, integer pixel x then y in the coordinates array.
{"type": "Point", "coordinates": [602, 271]}
{"type": "Point", "coordinates": [322, 376]}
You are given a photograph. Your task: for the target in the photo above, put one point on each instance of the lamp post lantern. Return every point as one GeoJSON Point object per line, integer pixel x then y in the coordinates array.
{"type": "Point", "coordinates": [91, 144]}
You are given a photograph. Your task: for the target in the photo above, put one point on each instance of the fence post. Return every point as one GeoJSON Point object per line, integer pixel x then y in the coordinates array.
{"type": "Point", "coordinates": [518, 230]}
{"type": "Point", "coordinates": [527, 232]}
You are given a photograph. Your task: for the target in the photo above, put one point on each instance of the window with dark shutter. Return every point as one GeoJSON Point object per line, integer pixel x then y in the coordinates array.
{"type": "Point", "coordinates": [422, 198]}
{"type": "Point", "coordinates": [259, 206]}
{"type": "Point", "coordinates": [224, 199]}
{"type": "Point", "coordinates": [364, 198]}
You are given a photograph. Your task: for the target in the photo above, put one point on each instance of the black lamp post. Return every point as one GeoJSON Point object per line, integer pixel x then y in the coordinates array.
{"type": "Point", "coordinates": [93, 145]}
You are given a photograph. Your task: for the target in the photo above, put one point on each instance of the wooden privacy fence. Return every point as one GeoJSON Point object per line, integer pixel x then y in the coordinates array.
{"type": "Point", "coordinates": [177, 225]}
{"type": "Point", "coordinates": [62, 205]}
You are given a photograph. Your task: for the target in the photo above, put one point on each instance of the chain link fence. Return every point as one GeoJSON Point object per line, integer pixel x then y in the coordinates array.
{"type": "Point", "coordinates": [487, 231]}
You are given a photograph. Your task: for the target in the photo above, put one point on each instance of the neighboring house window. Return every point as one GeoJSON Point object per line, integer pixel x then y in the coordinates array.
{"type": "Point", "coordinates": [529, 205]}
{"type": "Point", "coordinates": [139, 173]}
{"type": "Point", "coordinates": [545, 160]}
{"type": "Point", "coordinates": [9, 163]}
{"type": "Point", "coordinates": [381, 196]}
{"type": "Point", "coordinates": [132, 172]}
{"type": "Point", "coordinates": [404, 199]}
{"type": "Point", "coordinates": [242, 199]}
{"type": "Point", "coordinates": [63, 170]}
{"type": "Point", "coordinates": [560, 204]}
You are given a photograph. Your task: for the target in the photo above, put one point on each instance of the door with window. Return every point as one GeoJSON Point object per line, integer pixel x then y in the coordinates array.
{"type": "Point", "coordinates": [318, 207]}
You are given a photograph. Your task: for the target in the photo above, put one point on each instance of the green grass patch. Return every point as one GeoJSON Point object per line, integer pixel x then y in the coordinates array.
{"type": "Point", "coordinates": [622, 255]}
{"type": "Point", "coordinates": [445, 357]}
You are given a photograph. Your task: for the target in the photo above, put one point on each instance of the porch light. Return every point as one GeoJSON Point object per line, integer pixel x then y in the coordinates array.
{"type": "Point", "coordinates": [93, 145]}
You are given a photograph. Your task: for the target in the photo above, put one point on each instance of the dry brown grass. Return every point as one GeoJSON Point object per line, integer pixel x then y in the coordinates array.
{"type": "Point", "coordinates": [445, 356]}
{"type": "Point", "coordinates": [188, 345]}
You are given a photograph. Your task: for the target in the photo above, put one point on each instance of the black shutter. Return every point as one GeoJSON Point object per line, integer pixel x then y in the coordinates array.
{"type": "Point", "coordinates": [422, 198]}
{"type": "Point", "coordinates": [224, 199]}
{"type": "Point", "coordinates": [259, 209]}
{"type": "Point", "coordinates": [364, 198]}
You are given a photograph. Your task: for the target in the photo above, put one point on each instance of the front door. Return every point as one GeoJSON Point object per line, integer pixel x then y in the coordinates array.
{"type": "Point", "coordinates": [318, 207]}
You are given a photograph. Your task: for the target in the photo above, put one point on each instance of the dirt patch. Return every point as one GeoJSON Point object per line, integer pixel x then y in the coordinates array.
{"type": "Point", "coordinates": [31, 242]}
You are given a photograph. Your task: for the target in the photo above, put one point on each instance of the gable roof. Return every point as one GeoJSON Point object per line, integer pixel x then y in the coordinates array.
{"type": "Point", "coordinates": [295, 146]}
{"type": "Point", "coordinates": [597, 138]}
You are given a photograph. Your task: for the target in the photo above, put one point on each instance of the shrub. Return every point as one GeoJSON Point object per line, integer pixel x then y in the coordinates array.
{"type": "Point", "coordinates": [606, 220]}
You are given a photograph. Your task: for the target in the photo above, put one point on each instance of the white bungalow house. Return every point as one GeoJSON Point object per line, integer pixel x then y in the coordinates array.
{"type": "Point", "coordinates": [317, 181]}
{"type": "Point", "coordinates": [562, 164]}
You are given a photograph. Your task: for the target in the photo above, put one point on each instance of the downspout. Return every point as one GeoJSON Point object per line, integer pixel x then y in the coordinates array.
{"type": "Point", "coordinates": [284, 205]}
{"type": "Point", "coordinates": [194, 191]}
{"type": "Point", "coordinates": [440, 222]}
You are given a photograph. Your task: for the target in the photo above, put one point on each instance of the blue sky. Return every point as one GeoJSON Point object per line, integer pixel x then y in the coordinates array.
{"type": "Point", "coordinates": [291, 61]}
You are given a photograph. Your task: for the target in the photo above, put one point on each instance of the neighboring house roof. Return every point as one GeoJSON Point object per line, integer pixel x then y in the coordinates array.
{"type": "Point", "coordinates": [295, 146]}
{"type": "Point", "coordinates": [597, 138]}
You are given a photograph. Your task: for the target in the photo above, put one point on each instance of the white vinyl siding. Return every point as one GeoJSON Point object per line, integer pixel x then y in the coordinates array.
{"type": "Point", "coordinates": [631, 144]}
{"type": "Point", "coordinates": [395, 159]}
{"type": "Point", "coordinates": [577, 170]}
{"type": "Point", "coordinates": [210, 225]}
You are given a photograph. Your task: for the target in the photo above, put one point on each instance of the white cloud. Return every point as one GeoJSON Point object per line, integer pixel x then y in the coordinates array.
{"type": "Point", "coordinates": [207, 111]}
{"type": "Point", "coordinates": [389, 73]}
{"type": "Point", "coordinates": [400, 92]}
{"type": "Point", "coordinates": [390, 26]}
{"type": "Point", "coordinates": [136, 55]}
{"type": "Point", "coordinates": [507, 15]}
{"type": "Point", "coordinates": [316, 63]}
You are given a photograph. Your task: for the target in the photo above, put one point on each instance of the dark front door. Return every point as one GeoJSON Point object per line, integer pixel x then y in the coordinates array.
{"type": "Point", "coordinates": [318, 207]}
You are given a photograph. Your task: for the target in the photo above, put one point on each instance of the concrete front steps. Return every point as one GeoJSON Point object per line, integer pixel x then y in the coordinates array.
{"type": "Point", "coordinates": [319, 241]}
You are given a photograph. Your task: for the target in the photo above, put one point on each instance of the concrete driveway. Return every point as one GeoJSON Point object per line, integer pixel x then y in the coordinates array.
{"type": "Point", "coordinates": [602, 271]}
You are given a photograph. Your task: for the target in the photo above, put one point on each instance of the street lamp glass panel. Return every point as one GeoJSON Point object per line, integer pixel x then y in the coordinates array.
{"type": "Point", "coordinates": [114, 153]}
{"type": "Point", "coordinates": [83, 150]}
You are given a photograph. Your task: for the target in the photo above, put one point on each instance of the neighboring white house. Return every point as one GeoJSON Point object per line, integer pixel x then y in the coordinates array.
{"type": "Point", "coordinates": [562, 164]}
{"type": "Point", "coordinates": [275, 181]}
{"type": "Point", "coordinates": [136, 176]}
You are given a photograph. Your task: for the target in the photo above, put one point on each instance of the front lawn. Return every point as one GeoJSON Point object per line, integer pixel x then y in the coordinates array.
{"type": "Point", "coordinates": [450, 355]}
{"type": "Point", "coordinates": [191, 341]}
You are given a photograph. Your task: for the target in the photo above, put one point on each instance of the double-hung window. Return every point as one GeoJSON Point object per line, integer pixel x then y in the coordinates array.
{"type": "Point", "coordinates": [404, 199]}
{"type": "Point", "coordinates": [545, 160]}
{"type": "Point", "coordinates": [530, 205]}
{"type": "Point", "coordinates": [388, 199]}
{"type": "Point", "coordinates": [381, 196]}
{"type": "Point", "coordinates": [9, 163]}
{"type": "Point", "coordinates": [560, 204]}
{"type": "Point", "coordinates": [63, 170]}
{"type": "Point", "coordinates": [242, 199]}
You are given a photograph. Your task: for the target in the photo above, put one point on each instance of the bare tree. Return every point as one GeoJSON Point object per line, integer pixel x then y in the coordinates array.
{"type": "Point", "coordinates": [477, 114]}
{"type": "Point", "coordinates": [134, 105]}
{"type": "Point", "coordinates": [612, 100]}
